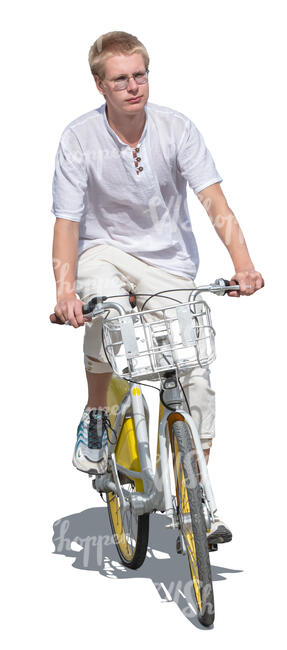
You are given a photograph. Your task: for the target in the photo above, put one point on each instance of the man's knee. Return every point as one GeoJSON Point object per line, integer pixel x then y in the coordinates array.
{"type": "Point", "coordinates": [95, 366]}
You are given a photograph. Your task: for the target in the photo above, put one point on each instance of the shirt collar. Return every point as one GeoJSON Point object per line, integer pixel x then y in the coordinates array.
{"type": "Point", "coordinates": [115, 137]}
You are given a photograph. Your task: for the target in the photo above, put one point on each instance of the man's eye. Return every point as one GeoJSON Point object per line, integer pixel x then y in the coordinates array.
{"type": "Point", "coordinates": [122, 78]}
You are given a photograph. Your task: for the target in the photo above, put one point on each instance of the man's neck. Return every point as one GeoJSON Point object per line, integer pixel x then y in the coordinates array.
{"type": "Point", "coordinates": [129, 128]}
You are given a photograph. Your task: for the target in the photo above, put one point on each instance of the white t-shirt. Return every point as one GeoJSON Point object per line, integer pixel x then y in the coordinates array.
{"type": "Point", "coordinates": [145, 214]}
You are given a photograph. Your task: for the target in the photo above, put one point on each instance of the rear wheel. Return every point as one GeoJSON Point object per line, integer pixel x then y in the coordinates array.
{"type": "Point", "coordinates": [130, 531]}
{"type": "Point", "coordinates": [191, 519]}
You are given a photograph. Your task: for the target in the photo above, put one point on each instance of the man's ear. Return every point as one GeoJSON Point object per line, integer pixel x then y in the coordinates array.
{"type": "Point", "coordinates": [99, 83]}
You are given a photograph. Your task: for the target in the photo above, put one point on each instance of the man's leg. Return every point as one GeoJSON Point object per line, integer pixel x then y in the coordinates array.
{"type": "Point", "coordinates": [206, 454]}
{"type": "Point", "coordinates": [96, 275]}
{"type": "Point", "coordinates": [201, 401]}
{"type": "Point", "coordinates": [97, 388]}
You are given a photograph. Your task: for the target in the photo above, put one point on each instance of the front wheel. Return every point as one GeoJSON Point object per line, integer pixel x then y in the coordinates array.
{"type": "Point", "coordinates": [191, 518]}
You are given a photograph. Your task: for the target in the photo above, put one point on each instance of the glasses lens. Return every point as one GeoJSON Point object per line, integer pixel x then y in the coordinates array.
{"type": "Point", "coordinates": [138, 77]}
{"type": "Point", "coordinates": [141, 78]}
{"type": "Point", "coordinates": [121, 85]}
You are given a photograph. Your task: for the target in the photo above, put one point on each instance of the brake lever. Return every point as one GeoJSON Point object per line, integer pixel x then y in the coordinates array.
{"type": "Point", "coordinates": [92, 304]}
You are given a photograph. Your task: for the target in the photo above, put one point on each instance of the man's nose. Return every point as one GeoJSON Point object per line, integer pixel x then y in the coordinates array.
{"type": "Point", "coordinates": [132, 85]}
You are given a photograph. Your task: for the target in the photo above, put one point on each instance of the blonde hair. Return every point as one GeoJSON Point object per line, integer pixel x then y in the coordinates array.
{"type": "Point", "coordinates": [114, 43]}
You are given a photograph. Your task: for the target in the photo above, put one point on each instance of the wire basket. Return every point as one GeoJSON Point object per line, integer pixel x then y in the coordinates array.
{"type": "Point", "coordinates": [148, 343]}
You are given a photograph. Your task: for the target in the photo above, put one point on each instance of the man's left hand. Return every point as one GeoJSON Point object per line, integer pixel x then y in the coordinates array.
{"type": "Point", "coordinates": [249, 282]}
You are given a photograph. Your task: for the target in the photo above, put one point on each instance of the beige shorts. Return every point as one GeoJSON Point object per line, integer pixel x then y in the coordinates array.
{"type": "Point", "coordinates": [106, 270]}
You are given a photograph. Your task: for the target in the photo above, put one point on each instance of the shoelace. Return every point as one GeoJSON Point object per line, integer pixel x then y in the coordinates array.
{"type": "Point", "coordinates": [97, 439]}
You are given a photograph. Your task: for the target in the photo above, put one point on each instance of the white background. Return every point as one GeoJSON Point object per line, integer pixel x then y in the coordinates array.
{"type": "Point", "coordinates": [223, 65]}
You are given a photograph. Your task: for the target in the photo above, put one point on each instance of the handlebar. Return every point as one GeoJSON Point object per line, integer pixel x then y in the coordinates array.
{"type": "Point", "coordinates": [95, 305]}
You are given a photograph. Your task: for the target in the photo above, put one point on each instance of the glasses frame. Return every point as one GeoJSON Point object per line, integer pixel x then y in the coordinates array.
{"type": "Point", "coordinates": [132, 76]}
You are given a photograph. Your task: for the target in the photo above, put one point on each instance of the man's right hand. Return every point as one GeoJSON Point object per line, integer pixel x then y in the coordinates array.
{"type": "Point", "coordinates": [69, 308]}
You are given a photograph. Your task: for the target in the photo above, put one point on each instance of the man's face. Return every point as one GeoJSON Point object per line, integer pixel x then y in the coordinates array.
{"type": "Point", "coordinates": [134, 97]}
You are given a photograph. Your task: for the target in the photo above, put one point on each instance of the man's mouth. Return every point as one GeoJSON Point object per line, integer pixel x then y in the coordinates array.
{"type": "Point", "coordinates": [134, 100]}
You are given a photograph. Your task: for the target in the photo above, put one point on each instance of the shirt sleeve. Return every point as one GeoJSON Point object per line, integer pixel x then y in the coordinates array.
{"type": "Point", "coordinates": [70, 179]}
{"type": "Point", "coordinates": [195, 161]}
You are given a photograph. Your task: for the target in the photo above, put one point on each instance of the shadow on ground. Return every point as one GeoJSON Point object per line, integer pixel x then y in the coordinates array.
{"type": "Point", "coordinates": [86, 537]}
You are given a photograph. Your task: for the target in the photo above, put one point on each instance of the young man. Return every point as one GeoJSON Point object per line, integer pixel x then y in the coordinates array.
{"type": "Point", "coordinates": [122, 224]}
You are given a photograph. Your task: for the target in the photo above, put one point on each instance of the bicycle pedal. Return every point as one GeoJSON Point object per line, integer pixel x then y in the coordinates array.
{"type": "Point", "coordinates": [180, 545]}
{"type": "Point", "coordinates": [172, 525]}
{"type": "Point", "coordinates": [103, 482]}
{"type": "Point", "coordinates": [212, 547]}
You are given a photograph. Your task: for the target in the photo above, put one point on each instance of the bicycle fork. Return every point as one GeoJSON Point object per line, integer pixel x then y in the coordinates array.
{"type": "Point", "coordinates": [172, 401]}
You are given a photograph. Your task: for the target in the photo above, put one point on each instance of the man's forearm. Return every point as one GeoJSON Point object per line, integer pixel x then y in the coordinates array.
{"type": "Point", "coordinates": [65, 256]}
{"type": "Point", "coordinates": [230, 233]}
{"type": "Point", "coordinates": [226, 226]}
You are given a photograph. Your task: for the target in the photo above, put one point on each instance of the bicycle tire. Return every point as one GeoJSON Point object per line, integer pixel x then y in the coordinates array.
{"type": "Point", "coordinates": [135, 557]}
{"type": "Point", "coordinates": [191, 519]}
{"type": "Point", "coordinates": [131, 543]}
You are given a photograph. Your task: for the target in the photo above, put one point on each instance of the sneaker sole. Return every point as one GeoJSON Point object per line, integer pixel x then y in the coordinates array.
{"type": "Point", "coordinates": [90, 471]}
{"type": "Point", "coordinates": [220, 536]}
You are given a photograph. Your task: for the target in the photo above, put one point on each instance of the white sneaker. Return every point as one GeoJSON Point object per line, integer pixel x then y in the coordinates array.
{"type": "Point", "coordinates": [219, 532]}
{"type": "Point", "coordinates": [91, 449]}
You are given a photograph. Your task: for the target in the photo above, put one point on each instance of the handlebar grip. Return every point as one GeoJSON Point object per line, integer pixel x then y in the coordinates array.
{"type": "Point", "coordinates": [228, 284]}
{"type": "Point", "coordinates": [225, 286]}
{"type": "Point", "coordinates": [55, 319]}
{"type": "Point", "coordinates": [86, 309]}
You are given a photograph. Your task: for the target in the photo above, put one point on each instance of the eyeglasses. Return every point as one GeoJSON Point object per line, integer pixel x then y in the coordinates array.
{"type": "Point", "coordinates": [122, 82]}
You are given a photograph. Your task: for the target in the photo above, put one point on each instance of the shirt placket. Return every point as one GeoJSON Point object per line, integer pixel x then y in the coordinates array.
{"type": "Point", "coordinates": [137, 160]}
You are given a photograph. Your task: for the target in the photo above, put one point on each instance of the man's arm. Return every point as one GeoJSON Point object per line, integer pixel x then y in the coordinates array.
{"type": "Point", "coordinates": [230, 233]}
{"type": "Point", "coordinates": [65, 255]}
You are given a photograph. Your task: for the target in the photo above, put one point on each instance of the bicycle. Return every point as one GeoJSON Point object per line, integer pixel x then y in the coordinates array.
{"type": "Point", "coordinates": [158, 344]}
